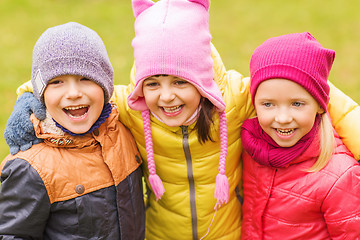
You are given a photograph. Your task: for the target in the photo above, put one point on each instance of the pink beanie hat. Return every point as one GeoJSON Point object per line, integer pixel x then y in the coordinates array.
{"type": "Point", "coordinates": [297, 57]}
{"type": "Point", "coordinates": [172, 37]}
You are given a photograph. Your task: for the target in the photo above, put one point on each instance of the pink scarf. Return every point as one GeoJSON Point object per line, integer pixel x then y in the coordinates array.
{"type": "Point", "coordinates": [264, 150]}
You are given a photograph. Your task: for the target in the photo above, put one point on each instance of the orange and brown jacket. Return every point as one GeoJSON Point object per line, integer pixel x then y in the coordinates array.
{"type": "Point", "coordinates": [72, 187]}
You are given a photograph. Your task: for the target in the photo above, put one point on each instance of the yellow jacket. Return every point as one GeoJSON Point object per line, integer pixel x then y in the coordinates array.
{"type": "Point", "coordinates": [177, 215]}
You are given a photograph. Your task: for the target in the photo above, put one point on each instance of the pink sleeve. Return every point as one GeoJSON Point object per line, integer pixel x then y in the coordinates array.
{"type": "Point", "coordinates": [341, 207]}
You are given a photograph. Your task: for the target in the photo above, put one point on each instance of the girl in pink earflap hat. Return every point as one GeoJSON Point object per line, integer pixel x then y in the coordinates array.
{"type": "Point", "coordinates": [300, 181]}
{"type": "Point", "coordinates": [178, 97]}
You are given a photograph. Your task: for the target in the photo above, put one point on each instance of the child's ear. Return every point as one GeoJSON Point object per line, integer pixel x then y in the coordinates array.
{"type": "Point", "coordinates": [141, 5]}
{"type": "Point", "coordinates": [321, 110]}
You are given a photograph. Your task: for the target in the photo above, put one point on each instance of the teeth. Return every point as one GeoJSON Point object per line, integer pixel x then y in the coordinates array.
{"type": "Point", "coordinates": [172, 109]}
{"type": "Point", "coordinates": [75, 108]}
{"type": "Point", "coordinates": [285, 131]}
{"type": "Point", "coordinates": [75, 116]}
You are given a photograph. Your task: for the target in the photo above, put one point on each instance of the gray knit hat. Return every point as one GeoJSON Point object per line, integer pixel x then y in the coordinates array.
{"type": "Point", "coordinates": [71, 49]}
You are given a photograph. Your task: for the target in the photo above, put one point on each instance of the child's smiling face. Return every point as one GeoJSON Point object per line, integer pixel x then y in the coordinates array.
{"type": "Point", "coordinates": [172, 99]}
{"type": "Point", "coordinates": [285, 110]}
{"type": "Point", "coordinates": [74, 102]}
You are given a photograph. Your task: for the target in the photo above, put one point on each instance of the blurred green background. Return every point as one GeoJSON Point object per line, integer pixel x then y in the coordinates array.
{"type": "Point", "coordinates": [237, 26]}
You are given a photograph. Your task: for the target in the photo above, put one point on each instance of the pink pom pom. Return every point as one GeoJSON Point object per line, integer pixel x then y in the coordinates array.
{"type": "Point", "coordinates": [156, 185]}
{"type": "Point", "coordinates": [222, 189]}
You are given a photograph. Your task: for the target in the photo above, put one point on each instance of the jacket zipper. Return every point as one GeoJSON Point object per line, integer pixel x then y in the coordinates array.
{"type": "Point", "coordinates": [191, 180]}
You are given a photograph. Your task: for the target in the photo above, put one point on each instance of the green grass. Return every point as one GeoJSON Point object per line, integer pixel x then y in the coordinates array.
{"type": "Point", "coordinates": [237, 26]}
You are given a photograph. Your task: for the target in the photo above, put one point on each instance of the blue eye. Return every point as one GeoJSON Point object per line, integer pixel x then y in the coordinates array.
{"type": "Point", "coordinates": [297, 104]}
{"type": "Point", "coordinates": [267, 104]}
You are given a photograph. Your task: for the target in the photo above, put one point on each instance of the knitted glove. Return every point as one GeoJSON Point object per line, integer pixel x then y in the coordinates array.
{"type": "Point", "coordinates": [19, 132]}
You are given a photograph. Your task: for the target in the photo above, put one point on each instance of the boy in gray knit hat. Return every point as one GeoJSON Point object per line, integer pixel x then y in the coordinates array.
{"type": "Point", "coordinates": [74, 49]}
{"type": "Point", "coordinates": [83, 181]}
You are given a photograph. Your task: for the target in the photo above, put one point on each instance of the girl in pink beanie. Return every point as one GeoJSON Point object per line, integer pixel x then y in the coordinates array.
{"type": "Point", "coordinates": [300, 181]}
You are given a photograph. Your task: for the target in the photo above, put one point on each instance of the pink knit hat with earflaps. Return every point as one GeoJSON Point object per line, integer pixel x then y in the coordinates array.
{"type": "Point", "coordinates": [297, 57]}
{"type": "Point", "coordinates": [172, 37]}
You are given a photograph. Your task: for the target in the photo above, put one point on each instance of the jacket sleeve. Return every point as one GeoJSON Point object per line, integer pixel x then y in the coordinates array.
{"type": "Point", "coordinates": [234, 87]}
{"type": "Point", "coordinates": [24, 203]}
{"type": "Point", "coordinates": [345, 116]}
{"type": "Point", "coordinates": [25, 87]}
{"type": "Point", "coordinates": [342, 206]}
{"type": "Point", "coordinates": [131, 206]}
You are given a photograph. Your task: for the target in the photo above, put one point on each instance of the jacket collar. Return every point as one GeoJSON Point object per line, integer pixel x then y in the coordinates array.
{"type": "Point", "coordinates": [55, 137]}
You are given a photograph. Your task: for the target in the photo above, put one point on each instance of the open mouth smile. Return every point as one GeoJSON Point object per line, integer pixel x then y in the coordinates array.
{"type": "Point", "coordinates": [172, 109]}
{"type": "Point", "coordinates": [76, 111]}
{"type": "Point", "coordinates": [285, 132]}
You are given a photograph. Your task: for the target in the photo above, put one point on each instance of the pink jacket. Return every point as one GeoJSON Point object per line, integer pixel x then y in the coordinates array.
{"type": "Point", "coordinates": [290, 203]}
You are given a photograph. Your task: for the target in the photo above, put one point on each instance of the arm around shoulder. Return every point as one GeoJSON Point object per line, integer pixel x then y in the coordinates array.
{"type": "Point", "coordinates": [345, 116]}
{"type": "Point", "coordinates": [25, 87]}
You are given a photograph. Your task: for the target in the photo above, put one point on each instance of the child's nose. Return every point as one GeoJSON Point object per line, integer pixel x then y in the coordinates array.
{"type": "Point", "coordinates": [167, 95]}
{"type": "Point", "coordinates": [73, 91]}
{"type": "Point", "coordinates": [283, 116]}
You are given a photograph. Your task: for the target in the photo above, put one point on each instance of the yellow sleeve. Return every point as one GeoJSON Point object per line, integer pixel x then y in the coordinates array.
{"type": "Point", "coordinates": [25, 87]}
{"type": "Point", "coordinates": [220, 73]}
{"type": "Point", "coordinates": [345, 116]}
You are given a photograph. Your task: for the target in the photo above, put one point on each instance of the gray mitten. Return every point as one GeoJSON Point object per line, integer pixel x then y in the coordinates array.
{"type": "Point", "coordinates": [19, 132]}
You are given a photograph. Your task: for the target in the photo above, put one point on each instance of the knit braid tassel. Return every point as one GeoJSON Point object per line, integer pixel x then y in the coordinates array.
{"type": "Point", "coordinates": [222, 193]}
{"type": "Point", "coordinates": [156, 185]}
{"type": "Point", "coordinates": [155, 181]}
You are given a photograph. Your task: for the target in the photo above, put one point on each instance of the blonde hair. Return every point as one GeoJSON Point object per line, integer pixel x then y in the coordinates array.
{"type": "Point", "coordinates": [327, 143]}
